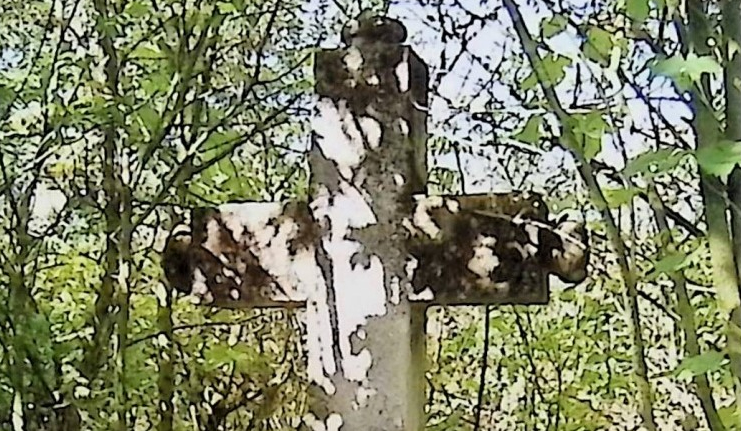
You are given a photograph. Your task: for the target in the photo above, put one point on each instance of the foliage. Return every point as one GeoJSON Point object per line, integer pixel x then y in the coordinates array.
{"type": "Point", "coordinates": [118, 117]}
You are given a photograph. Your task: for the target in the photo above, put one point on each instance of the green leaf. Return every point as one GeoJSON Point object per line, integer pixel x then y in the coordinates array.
{"type": "Point", "coordinates": [553, 67]}
{"type": "Point", "coordinates": [701, 364]}
{"type": "Point", "coordinates": [136, 9]}
{"type": "Point", "coordinates": [730, 416]}
{"type": "Point", "coordinates": [226, 7]}
{"type": "Point", "coordinates": [150, 118]}
{"type": "Point", "coordinates": [554, 25]}
{"type": "Point", "coordinates": [588, 130]}
{"type": "Point", "coordinates": [733, 333]}
{"type": "Point", "coordinates": [531, 132]}
{"type": "Point", "coordinates": [563, 203]}
{"type": "Point", "coordinates": [671, 262]}
{"type": "Point", "coordinates": [6, 96]}
{"type": "Point", "coordinates": [220, 140]}
{"type": "Point", "coordinates": [719, 159]}
{"type": "Point", "coordinates": [147, 51]}
{"type": "Point", "coordinates": [621, 196]}
{"type": "Point", "coordinates": [685, 71]}
{"type": "Point", "coordinates": [598, 46]}
{"type": "Point", "coordinates": [156, 82]}
{"type": "Point", "coordinates": [652, 163]}
{"type": "Point", "coordinates": [530, 82]}
{"type": "Point", "coordinates": [637, 10]}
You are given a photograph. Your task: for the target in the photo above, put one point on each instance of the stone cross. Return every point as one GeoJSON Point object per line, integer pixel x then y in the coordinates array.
{"type": "Point", "coordinates": [371, 251]}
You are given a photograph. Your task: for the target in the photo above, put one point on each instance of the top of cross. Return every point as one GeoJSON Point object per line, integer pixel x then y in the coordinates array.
{"type": "Point", "coordinates": [371, 28]}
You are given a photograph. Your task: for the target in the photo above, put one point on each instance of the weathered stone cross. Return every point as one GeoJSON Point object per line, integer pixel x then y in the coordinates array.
{"type": "Point", "coordinates": [370, 251]}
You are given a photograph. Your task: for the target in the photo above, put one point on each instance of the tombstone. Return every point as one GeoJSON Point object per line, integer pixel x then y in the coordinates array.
{"type": "Point", "coordinates": [370, 251]}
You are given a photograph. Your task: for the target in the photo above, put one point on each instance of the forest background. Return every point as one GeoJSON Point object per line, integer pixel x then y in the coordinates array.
{"type": "Point", "coordinates": [119, 116]}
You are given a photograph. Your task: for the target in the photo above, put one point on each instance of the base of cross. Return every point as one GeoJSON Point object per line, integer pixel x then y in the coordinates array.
{"type": "Point", "coordinates": [462, 250]}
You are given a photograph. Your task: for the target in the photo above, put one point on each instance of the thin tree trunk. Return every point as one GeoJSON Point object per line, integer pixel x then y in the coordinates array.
{"type": "Point", "coordinates": [707, 130]}
{"type": "Point", "coordinates": [124, 297]}
{"type": "Point", "coordinates": [165, 379]}
{"type": "Point", "coordinates": [686, 315]}
{"type": "Point", "coordinates": [732, 80]}
{"type": "Point", "coordinates": [112, 303]}
{"type": "Point", "coordinates": [166, 376]}
{"type": "Point", "coordinates": [585, 170]}
{"type": "Point", "coordinates": [104, 318]}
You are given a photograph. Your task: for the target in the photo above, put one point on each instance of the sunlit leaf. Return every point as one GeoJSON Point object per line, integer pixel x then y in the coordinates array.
{"type": "Point", "coordinates": [588, 130]}
{"type": "Point", "coordinates": [637, 10]}
{"type": "Point", "coordinates": [554, 67]}
{"type": "Point", "coordinates": [136, 9]}
{"type": "Point", "coordinates": [6, 96]}
{"type": "Point", "coordinates": [562, 203]}
{"type": "Point", "coordinates": [554, 25]}
{"type": "Point", "coordinates": [652, 163]}
{"type": "Point", "coordinates": [730, 416]}
{"type": "Point", "coordinates": [147, 51]}
{"type": "Point", "coordinates": [684, 71]}
{"type": "Point", "coordinates": [621, 196]}
{"type": "Point", "coordinates": [598, 46]}
{"type": "Point", "coordinates": [531, 132]}
{"type": "Point", "coordinates": [226, 7]}
{"type": "Point", "coordinates": [671, 262]}
{"type": "Point", "coordinates": [719, 159]}
{"type": "Point", "coordinates": [150, 118]}
{"type": "Point", "coordinates": [553, 71]}
{"type": "Point", "coordinates": [701, 364]}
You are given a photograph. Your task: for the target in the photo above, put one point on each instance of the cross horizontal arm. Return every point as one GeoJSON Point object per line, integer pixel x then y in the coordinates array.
{"type": "Point", "coordinates": [474, 249]}
{"type": "Point", "coordinates": [257, 254]}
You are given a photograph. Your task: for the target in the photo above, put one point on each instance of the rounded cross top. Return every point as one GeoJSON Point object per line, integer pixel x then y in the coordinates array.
{"type": "Point", "coordinates": [370, 28]}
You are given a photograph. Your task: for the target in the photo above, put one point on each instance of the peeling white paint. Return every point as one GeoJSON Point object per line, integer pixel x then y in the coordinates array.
{"type": "Point", "coordinates": [270, 244]}
{"type": "Point", "coordinates": [333, 423]}
{"type": "Point", "coordinates": [404, 126]}
{"type": "Point", "coordinates": [452, 205]}
{"type": "Point", "coordinates": [357, 366]}
{"type": "Point", "coordinates": [425, 295]}
{"type": "Point", "coordinates": [409, 226]}
{"type": "Point", "coordinates": [372, 131]}
{"type": "Point", "coordinates": [484, 261]}
{"type": "Point", "coordinates": [208, 298]}
{"type": "Point", "coordinates": [399, 180]}
{"type": "Point", "coordinates": [199, 283]}
{"type": "Point", "coordinates": [373, 80]}
{"type": "Point", "coordinates": [410, 266]}
{"type": "Point", "coordinates": [353, 59]}
{"type": "Point", "coordinates": [234, 294]}
{"type": "Point", "coordinates": [422, 217]}
{"type": "Point", "coordinates": [532, 233]}
{"type": "Point", "coordinates": [338, 137]}
{"type": "Point", "coordinates": [359, 291]}
{"type": "Point", "coordinates": [363, 394]}
{"type": "Point", "coordinates": [402, 73]}
{"type": "Point", "coordinates": [395, 290]}
{"type": "Point", "coordinates": [212, 236]}
{"type": "Point", "coordinates": [523, 250]}
{"type": "Point", "coordinates": [251, 217]}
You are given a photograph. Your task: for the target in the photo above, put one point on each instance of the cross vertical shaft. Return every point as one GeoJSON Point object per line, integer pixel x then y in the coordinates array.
{"type": "Point", "coordinates": [367, 161]}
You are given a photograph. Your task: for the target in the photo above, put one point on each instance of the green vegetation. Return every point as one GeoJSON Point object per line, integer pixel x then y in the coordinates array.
{"type": "Point", "coordinates": [119, 116]}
